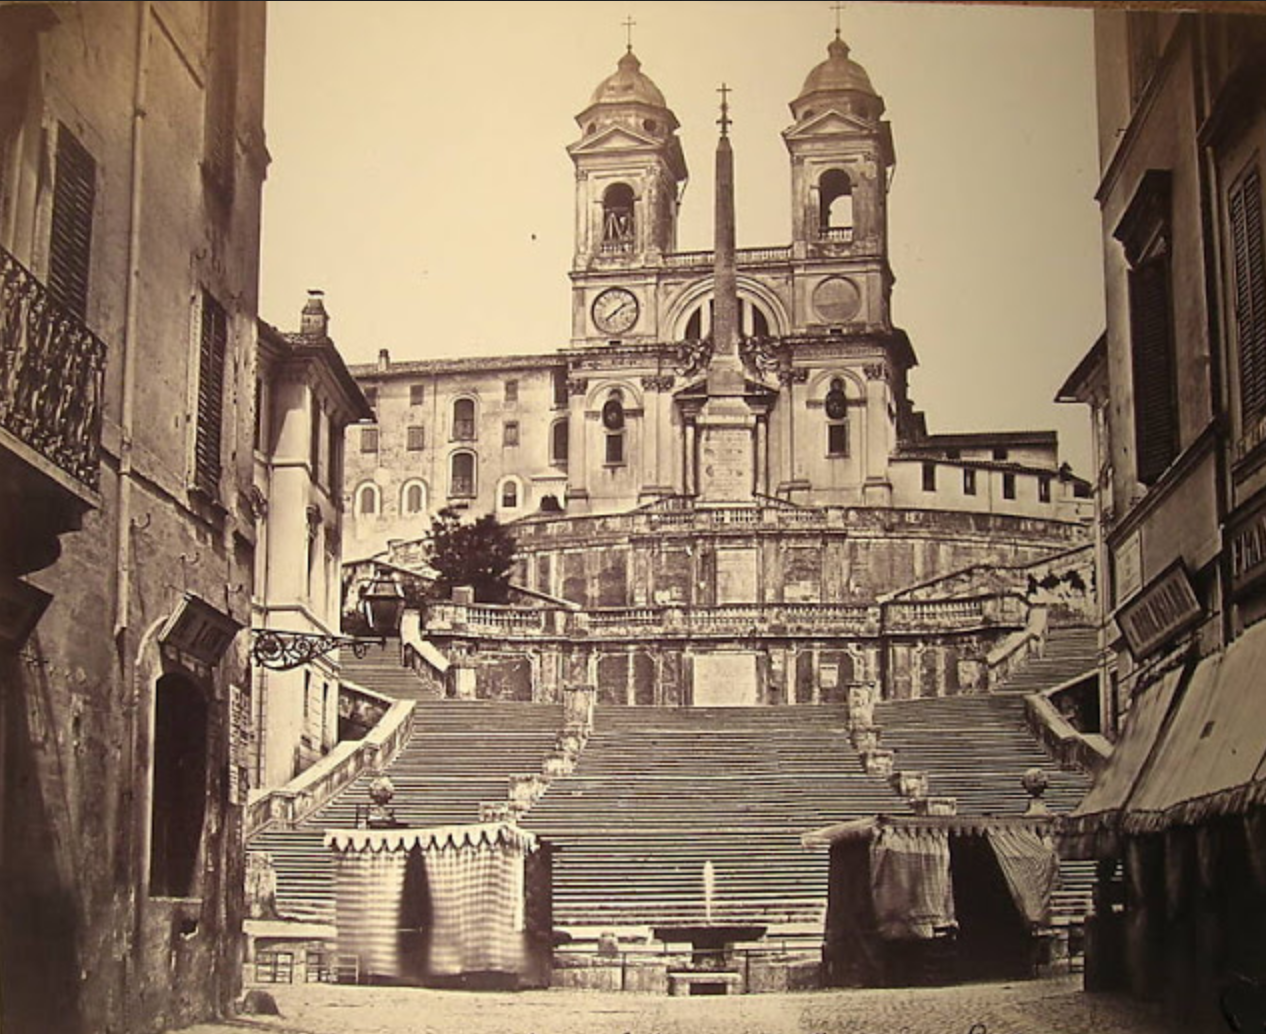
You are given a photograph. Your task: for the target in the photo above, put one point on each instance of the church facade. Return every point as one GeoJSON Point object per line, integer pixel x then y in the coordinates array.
{"type": "Point", "coordinates": [725, 428]}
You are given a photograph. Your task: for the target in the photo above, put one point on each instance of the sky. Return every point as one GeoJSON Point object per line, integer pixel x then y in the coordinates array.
{"type": "Point", "coordinates": [419, 174]}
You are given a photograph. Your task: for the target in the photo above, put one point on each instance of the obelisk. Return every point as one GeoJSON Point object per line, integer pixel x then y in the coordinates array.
{"type": "Point", "coordinates": [726, 422]}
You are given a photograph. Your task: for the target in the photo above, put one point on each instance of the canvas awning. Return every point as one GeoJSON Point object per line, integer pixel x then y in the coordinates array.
{"type": "Point", "coordinates": [1097, 816]}
{"type": "Point", "coordinates": [954, 825]}
{"type": "Point", "coordinates": [1211, 759]}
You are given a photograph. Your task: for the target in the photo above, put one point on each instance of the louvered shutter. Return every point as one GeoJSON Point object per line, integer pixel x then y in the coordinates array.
{"type": "Point", "coordinates": [1155, 410]}
{"type": "Point", "coordinates": [1250, 292]}
{"type": "Point", "coordinates": [70, 249]}
{"type": "Point", "coordinates": [212, 344]}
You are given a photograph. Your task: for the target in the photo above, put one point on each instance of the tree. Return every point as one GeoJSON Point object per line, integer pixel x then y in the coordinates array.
{"type": "Point", "coordinates": [479, 555]}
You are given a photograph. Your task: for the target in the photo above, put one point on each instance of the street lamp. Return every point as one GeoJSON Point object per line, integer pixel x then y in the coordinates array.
{"type": "Point", "coordinates": [382, 604]}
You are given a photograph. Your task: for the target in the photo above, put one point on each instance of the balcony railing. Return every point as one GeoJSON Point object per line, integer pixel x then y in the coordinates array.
{"type": "Point", "coordinates": [743, 256]}
{"type": "Point", "coordinates": [52, 373]}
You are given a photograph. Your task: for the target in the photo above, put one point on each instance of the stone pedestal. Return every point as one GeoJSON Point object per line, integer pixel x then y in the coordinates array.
{"type": "Point", "coordinates": [878, 762]}
{"type": "Point", "coordinates": [727, 457]}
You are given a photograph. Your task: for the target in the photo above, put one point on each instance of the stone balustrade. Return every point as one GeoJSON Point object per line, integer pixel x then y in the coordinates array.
{"type": "Point", "coordinates": [726, 620]}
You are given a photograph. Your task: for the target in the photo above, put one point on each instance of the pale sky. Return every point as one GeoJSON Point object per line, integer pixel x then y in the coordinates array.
{"type": "Point", "coordinates": [419, 175]}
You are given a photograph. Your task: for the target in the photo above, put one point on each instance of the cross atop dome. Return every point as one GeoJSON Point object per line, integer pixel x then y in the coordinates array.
{"type": "Point", "coordinates": [725, 120]}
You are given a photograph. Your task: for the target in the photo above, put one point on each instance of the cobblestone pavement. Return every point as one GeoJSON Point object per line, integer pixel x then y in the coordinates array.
{"type": "Point", "coordinates": [1050, 1006]}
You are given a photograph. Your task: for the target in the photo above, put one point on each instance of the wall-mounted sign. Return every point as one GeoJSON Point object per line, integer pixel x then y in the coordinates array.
{"type": "Point", "coordinates": [1161, 611]}
{"type": "Point", "coordinates": [1247, 546]}
{"type": "Point", "coordinates": [198, 630]}
{"type": "Point", "coordinates": [1127, 568]}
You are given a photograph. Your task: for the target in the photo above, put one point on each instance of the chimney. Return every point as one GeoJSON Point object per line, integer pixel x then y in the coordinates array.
{"type": "Point", "coordinates": [384, 360]}
{"type": "Point", "coordinates": [314, 321]}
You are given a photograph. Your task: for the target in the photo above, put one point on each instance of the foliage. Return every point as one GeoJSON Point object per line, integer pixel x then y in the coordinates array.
{"type": "Point", "coordinates": [479, 554]}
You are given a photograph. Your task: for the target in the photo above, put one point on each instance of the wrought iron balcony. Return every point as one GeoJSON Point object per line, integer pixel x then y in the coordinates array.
{"type": "Point", "coordinates": [52, 374]}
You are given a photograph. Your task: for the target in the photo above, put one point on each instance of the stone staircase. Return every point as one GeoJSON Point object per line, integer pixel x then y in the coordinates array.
{"type": "Point", "coordinates": [1069, 652]}
{"type": "Point", "coordinates": [658, 792]}
{"type": "Point", "coordinates": [461, 754]}
{"type": "Point", "coordinates": [380, 670]}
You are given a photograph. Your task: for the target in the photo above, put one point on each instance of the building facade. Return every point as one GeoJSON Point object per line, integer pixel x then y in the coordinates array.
{"type": "Point", "coordinates": [131, 161]}
{"type": "Point", "coordinates": [729, 428]}
{"type": "Point", "coordinates": [1176, 820]}
{"type": "Point", "coordinates": [305, 398]}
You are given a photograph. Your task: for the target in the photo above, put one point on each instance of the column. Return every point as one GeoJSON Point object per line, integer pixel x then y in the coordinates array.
{"type": "Point", "coordinates": [762, 455]}
{"type": "Point", "coordinates": [688, 460]}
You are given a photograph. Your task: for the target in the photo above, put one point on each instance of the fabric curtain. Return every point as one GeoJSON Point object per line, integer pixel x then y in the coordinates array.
{"type": "Point", "coordinates": [369, 893]}
{"type": "Point", "coordinates": [477, 908]}
{"type": "Point", "coordinates": [910, 882]}
{"type": "Point", "coordinates": [1031, 869]}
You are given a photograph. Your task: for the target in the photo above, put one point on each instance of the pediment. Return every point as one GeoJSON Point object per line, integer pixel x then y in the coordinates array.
{"type": "Point", "coordinates": [614, 138]}
{"type": "Point", "coordinates": [830, 123]}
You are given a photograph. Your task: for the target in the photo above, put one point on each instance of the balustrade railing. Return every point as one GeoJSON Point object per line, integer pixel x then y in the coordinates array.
{"type": "Point", "coordinates": [52, 374]}
{"type": "Point", "coordinates": [743, 256]}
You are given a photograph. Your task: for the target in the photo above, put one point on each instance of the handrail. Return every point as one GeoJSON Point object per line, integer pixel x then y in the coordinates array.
{"type": "Point", "coordinates": [313, 788]}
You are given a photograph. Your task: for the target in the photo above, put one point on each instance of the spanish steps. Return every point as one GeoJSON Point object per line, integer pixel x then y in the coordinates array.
{"type": "Point", "coordinates": [659, 792]}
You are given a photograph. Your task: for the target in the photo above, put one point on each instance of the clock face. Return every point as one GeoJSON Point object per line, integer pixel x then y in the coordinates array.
{"type": "Point", "coordinates": [615, 310]}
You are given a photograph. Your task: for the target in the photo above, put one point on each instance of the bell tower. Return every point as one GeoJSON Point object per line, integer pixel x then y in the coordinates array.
{"type": "Point", "coordinates": [629, 172]}
{"type": "Point", "coordinates": [841, 163]}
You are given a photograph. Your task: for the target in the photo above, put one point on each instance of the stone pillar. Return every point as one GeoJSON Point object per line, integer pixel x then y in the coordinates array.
{"type": "Point", "coordinates": [762, 456]}
{"type": "Point", "coordinates": [688, 461]}
{"type": "Point", "coordinates": [577, 445]}
{"type": "Point", "coordinates": [463, 680]}
{"type": "Point", "coordinates": [877, 490]}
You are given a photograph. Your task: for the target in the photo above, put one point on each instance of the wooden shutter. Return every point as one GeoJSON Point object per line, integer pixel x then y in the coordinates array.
{"type": "Point", "coordinates": [70, 249]}
{"type": "Point", "coordinates": [212, 345]}
{"type": "Point", "coordinates": [1250, 292]}
{"type": "Point", "coordinates": [416, 438]}
{"type": "Point", "coordinates": [1151, 332]}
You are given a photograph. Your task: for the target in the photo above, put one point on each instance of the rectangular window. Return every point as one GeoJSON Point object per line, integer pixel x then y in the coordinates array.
{"type": "Point", "coordinates": [1008, 486]}
{"type": "Point", "coordinates": [837, 439]}
{"type": "Point", "coordinates": [369, 439]}
{"type": "Point", "coordinates": [560, 389]}
{"type": "Point", "coordinates": [371, 396]}
{"type": "Point", "coordinates": [615, 449]}
{"type": "Point", "coordinates": [221, 103]}
{"type": "Point", "coordinates": [212, 345]}
{"type": "Point", "coordinates": [969, 481]}
{"type": "Point", "coordinates": [70, 246]}
{"type": "Point", "coordinates": [259, 413]}
{"type": "Point", "coordinates": [416, 394]}
{"type": "Point", "coordinates": [1142, 32]}
{"type": "Point", "coordinates": [510, 434]}
{"type": "Point", "coordinates": [1144, 232]}
{"type": "Point", "coordinates": [1043, 490]}
{"type": "Point", "coordinates": [1000, 455]}
{"type": "Point", "coordinates": [334, 469]}
{"type": "Point", "coordinates": [416, 438]}
{"type": "Point", "coordinates": [314, 438]}
{"type": "Point", "coordinates": [1250, 292]}
{"type": "Point", "coordinates": [929, 477]}
{"type": "Point", "coordinates": [512, 391]}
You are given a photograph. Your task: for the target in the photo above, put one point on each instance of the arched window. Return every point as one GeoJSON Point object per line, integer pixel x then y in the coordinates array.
{"type": "Point", "coordinates": [617, 218]}
{"type": "Point", "coordinates": [462, 475]}
{"type": "Point", "coordinates": [180, 786]}
{"type": "Point", "coordinates": [367, 500]}
{"type": "Point", "coordinates": [754, 321]}
{"type": "Point", "coordinates": [836, 419]}
{"type": "Point", "coordinates": [510, 494]}
{"type": "Point", "coordinates": [835, 198]}
{"type": "Point", "coordinates": [559, 443]}
{"type": "Point", "coordinates": [613, 427]}
{"type": "Point", "coordinates": [464, 420]}
{"type": "Point", "coordinates": [412, 498]}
